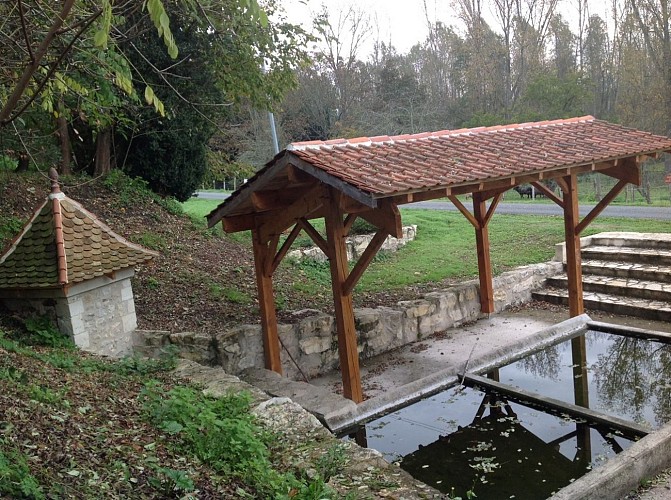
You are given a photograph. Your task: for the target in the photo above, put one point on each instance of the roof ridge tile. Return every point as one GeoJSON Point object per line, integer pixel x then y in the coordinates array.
{"type": "Point", "coordinates": [385, 139]}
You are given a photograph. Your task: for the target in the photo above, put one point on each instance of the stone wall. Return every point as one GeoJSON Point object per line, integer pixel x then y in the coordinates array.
{"type": "Point", "coordinates": [312, 340]}
{"type": "Point", "coordinates": [99, 314]}
{"type": "Point", "coordinates": [356, 245]}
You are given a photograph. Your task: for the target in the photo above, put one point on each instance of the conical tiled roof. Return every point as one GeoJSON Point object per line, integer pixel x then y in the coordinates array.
{"type": "Point", "coordinates": [64, 244]}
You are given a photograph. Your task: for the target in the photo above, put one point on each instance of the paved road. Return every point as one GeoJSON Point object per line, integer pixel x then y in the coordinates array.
{"type": "Point", "coordinates": [534, 208]}
{"type": "Point", "coordinates": [632, 212]}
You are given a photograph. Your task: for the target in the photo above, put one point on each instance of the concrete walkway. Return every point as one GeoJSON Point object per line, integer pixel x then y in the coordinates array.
{"type": "Point", "coordinates": [430, 365]}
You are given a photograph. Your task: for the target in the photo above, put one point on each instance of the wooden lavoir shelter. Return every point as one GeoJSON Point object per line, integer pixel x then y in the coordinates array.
{"type": "Point", "coordinates": [343, 179]}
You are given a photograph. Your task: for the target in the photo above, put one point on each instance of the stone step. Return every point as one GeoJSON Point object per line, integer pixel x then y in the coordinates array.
{"type": "Point", "coordinates": [657, 256]}
{"type": "Point", "coordinates": [644, 308]}
{"type": "Point", "coordinates": [636, 270]}
{"type": "Point", "coordinates": [328, 407]}
{"type": "Point", "coordinates": [626, 287]}
{"type": "Point", "coordinates": [659, 241]}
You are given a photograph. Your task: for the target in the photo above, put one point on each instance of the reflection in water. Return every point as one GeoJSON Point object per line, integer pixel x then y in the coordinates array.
{"type": "Point", "coordinates": [543, 364]}
{"type": "Point", "coordinates": [499, 455]}
{"type": "Point", "coordinates": [634, 374]}
{"type": "Point", "coordinates": [625, 376]}
{"type": "Point", "coordinates": [467, 440]}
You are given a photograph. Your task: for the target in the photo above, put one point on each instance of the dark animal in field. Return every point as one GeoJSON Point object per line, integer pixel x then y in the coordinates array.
{"type": "Point", "coordinates": [523, 191]}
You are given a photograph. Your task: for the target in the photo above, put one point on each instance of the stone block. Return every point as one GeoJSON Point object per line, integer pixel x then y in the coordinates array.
{"type": "Point", "coordinates": [312, 345]}
{"type": "Point", "coordinates": [367, 322]}
{"type": "Point", "coordinates": [320, 324]}
{"type": "Point", "coordinates": [129, 322]}
{"type": "Point", "coordinates": [127, 291]}
{"type": "Point", "coordinates": [82, 340]}
{"type": "Point", "coordinates": [416, 308]}
{"type": "Point", "coordinates": [195, 346]}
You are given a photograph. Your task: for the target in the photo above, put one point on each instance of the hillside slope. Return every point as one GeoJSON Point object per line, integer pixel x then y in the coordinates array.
{"type": "Point", "coordinates": [201, 280]}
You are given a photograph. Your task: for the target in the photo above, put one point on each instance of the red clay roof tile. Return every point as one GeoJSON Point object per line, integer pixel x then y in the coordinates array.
{"type": "Point", "coordinates": [383, 166]}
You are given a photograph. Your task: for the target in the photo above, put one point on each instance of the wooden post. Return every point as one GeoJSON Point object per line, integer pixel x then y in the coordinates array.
{"type": "Point", "coordinates": [484, 260]}
{"type": "Point", "coordinates": [572, 237]}
{"type": "Point", "coordinates": [263, 260]}
{"type": "Point", "coordinates": [344, 311]}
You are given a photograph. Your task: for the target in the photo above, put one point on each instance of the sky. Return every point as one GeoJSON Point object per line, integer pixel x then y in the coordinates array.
{"type": "Point", "coordinates": [404, 22]}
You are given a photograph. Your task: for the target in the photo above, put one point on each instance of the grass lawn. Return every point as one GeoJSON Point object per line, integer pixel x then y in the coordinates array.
{"type": "Point", "coordinates": [445, 245]}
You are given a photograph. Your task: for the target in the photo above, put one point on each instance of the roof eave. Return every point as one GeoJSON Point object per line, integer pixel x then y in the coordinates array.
{"type": "Point", "coordinates": [270, 171]}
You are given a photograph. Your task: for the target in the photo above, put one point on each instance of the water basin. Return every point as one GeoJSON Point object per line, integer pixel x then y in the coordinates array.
{"type": "Point", "coordinates": [464, 440]}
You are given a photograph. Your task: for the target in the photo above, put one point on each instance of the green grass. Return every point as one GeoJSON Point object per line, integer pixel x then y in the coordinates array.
{"type": "Point", "coordinates": [445, 246]}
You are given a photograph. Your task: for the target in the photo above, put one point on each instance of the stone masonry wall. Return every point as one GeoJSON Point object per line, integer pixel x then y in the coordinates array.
{"type": "Point", "coordinates": [101, 319]}
{"type": "Point", "coordinates": [312, 340]}
{"type": "Point", "coordinates": [99, 314]}
{"type": "Point", "coordinates": [356, 245]}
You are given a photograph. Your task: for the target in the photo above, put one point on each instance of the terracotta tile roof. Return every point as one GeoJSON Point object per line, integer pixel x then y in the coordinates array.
{"type": "Point", "coordinates": [369, 168]}
{"type": "Point", "coordinates": [384, 165]}
{"type": "Point", "coordinates": [88, 248]}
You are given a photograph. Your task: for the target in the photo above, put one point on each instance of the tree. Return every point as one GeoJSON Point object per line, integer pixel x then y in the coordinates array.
{"type": "Point", "coordinates": [654, 21]}
{"type": "Point", "coordinates": [220, 71]}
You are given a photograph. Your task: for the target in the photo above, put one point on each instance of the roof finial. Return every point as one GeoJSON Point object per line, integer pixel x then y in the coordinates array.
{"type": "Point", "coordinates": [53, 175]}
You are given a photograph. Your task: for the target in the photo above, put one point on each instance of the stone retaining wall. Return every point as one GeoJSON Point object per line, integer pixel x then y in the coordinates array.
{"type": "Point", "coordinates": [312, 340]}
{"type": "Point", "coordinates": [356, 245]}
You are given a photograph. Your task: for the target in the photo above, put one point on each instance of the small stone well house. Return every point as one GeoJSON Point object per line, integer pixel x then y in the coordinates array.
{"type": "Point", "coordinates": [67, 264]}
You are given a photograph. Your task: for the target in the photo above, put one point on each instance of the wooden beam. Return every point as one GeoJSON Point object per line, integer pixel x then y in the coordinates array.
{"type": "Point", "coordinates": [492, 206]}
{"type": "Point", "coordinates": [549, 193]}
{"type": "Point", "coordinates": [465, 211]}
{"type": "Point", "coordinates": [414, 196]}
{"type": "Point", "coordinates": [264, 284]}
{"type": "Point", "coordinates": [628, 428]}
{"type": "Point", "coordinates": [386, 217]}
{"type": "Point", "coordinates": [315, 236]}
{"type": "Point", "coordinates": [296, 175]}
{"type": "Point", "coordinates": [330, 180]}
{"type": "Point", "coordinates": [605, 201]}
{"type": "Point", "coordinates": [492, 193]}
{"type": "Point", "coordinates": [278, 199]}
{"type": "Point", "coordinates": [237, 223]}
{"type": "Point", "coordinates": [629, 170]}
{"type": "Point", "coordinates": [265, 177]}
{"type": "Point", "coordinates": [573, 260]}
{"type": "Point", "coordinates": [484, 260]}
{"type": "Point", "coordinates": [285, 247]}
{"type": "Point", "coordinates": [364, 261]}
{"type": "Point", "coordinates": [349, 221]}
{"type": "Point", "coordinates": [344, 311]}
{"type": "Point", "coordinates": [276, 221]}
{"type": "Point", "coordinates": [272, 248]}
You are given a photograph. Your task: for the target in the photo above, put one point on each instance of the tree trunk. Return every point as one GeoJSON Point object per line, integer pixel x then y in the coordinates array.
{"type": "Point", "coordinates": [64, 140]}
{"type": "Point", "coordinates": [103, 152]}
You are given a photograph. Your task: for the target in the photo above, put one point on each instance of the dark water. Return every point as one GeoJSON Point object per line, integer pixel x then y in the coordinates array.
{"type": "Point", "coordinates": [465, 440]}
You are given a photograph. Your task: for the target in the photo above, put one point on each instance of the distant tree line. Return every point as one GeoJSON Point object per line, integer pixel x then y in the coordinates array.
{"type": "Point", "coordinates": [175, 91]}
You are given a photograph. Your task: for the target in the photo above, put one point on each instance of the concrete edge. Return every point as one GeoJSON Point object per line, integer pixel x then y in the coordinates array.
{"type": "Point", "coordinates": [623, 473]}
{"type": "Point", "coordinates": [441, 380]}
